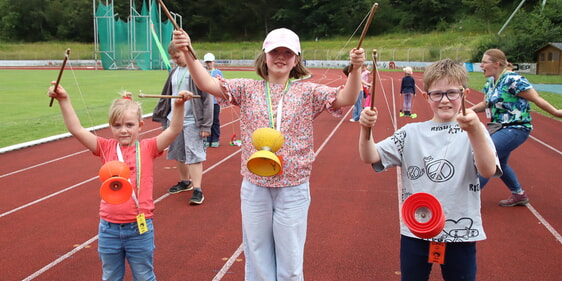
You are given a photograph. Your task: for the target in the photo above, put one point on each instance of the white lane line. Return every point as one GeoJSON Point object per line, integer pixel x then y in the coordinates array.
{"type": "Point", "coordinates": [47, 197]}
{"type": "Point", "coordinates": [546, 145]}
{"type": "Point", "coordinates": [544, 222]}
{"type": "Point", "coordinates": [56, 159]}
{"type": "Point", "coordinates": [228, 263]}
{"type": "Point", "coordinates": [60, 259]}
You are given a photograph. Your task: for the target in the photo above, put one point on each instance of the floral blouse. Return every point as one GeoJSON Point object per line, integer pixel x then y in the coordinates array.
{"type": "Point", "coordinates": [505, 104]}
{"type": "Point", "coordinates": [302, 102]}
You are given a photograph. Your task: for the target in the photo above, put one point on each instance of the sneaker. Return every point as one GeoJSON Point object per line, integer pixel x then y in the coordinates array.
{"type": "Point", "coordinates": [413, 115]}
{"type": "Point", "coordinates": [401, 114]}
{"type": "Point", "coordinates": [514, 200]}
{"type": "Point", "coordinates": [353, 120]}
{"type": "Point", "coordinates": [197, 197]}
{"type": "Point", "coordinates": [215, 144]}
{"type": "Point", "coordinates": [181, 186]}
{"type": "Point", "coordinates": [206, 144]}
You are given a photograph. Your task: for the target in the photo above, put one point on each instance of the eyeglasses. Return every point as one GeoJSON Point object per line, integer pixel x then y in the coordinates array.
{"type": "Point", "coordinates": [452, 94]}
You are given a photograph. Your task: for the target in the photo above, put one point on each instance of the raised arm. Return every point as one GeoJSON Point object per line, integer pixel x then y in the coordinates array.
{"type": "Point", "coordinates": [348, 95]}
{"type": "Point", "coordinates": [199, 74]}
{"type": "Point", "coordinates": [484, 155]}
{"type": "Point", "coordinates": [367, 148]}
{"type": "Point", "coordinates": [166, 137]}
{"type": "Point", "coordinates": [87, 138]}
{"type": "Point", "coordinates": [533, 96]}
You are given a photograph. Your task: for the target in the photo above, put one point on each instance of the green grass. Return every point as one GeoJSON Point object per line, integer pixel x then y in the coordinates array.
{"type": "Point", "coordinates": [397, 47]}
{"type": "Point", "coordinates": [26, 114]}
{"type": "Point", "coordinates": [45, 51]}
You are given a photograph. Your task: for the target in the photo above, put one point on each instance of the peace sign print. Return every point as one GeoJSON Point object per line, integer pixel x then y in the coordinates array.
{"type": "Point", "coordinates": [439, 170]}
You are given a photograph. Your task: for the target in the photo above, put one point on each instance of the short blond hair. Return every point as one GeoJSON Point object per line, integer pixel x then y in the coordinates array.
{"type": "Point", "coordinates": [453, 71]}
{"type": "Point", "coordinates": [122, 105]}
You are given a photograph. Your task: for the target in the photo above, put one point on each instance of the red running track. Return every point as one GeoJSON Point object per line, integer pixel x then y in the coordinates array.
{"type": "Point", "coordinates": [50, 199]}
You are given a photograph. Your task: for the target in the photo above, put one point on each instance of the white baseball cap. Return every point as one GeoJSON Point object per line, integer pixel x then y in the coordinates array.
{"type": "Point", "coordinates": [208, 57]}
{"type": "Point", "coordinates": [282, 37]}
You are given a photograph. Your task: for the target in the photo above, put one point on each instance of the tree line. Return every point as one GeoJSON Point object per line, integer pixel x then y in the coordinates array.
{"type": "Point", "coordinates": [237, 20]}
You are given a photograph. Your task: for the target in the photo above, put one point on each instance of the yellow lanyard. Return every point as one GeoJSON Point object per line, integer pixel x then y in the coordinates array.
{"type": "Point", "coordinates": [494, 82]}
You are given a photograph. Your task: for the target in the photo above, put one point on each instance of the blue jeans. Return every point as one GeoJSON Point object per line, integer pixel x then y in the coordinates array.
{"type": "Point", "coordinates": [118, 242]}
{"type": "Point", "coordinates": [507, 140]}
{"type": "Point", "coordinates": [216, 127]}
{"type": "Point", "coordinates": [358, 107]}
{"type": "Point", "coordinates": [460, 260]}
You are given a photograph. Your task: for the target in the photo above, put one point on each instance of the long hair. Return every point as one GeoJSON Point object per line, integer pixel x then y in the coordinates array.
{"type": "Point", "coordinates": [299, 71]}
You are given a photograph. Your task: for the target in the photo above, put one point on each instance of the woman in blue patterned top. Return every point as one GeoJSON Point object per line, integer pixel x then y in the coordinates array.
{"type": "Point", "coordinates": [507, 103]}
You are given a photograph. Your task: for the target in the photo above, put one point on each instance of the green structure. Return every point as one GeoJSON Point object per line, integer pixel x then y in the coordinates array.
{"type": "Point", "coordinates": [141, 42]}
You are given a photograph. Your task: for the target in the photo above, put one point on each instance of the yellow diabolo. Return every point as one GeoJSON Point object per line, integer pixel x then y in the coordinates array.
{"type": "Point", "coordinates": [264, 162]}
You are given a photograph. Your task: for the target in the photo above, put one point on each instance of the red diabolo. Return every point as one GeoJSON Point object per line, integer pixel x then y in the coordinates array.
{"type": "Point", "coordinates": [423, 215]}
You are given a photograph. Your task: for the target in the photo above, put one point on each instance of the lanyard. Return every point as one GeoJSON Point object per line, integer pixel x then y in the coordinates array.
{"type": "Point", "coordinates": [279, 107]}
{"type": "Point", "coordinates": [138, 169]}
{"type": "Point", "coordinates": [495, 82]}
{"type": "Point", "coordinates": [182, 78]}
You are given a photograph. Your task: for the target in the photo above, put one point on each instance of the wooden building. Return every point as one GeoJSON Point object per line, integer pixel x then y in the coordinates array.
{"type": "Point", "coordinates": [548, 59]}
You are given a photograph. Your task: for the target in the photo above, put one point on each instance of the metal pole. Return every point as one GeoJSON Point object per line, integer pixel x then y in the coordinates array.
{"type": "Point", "coordinates": [510, 17]}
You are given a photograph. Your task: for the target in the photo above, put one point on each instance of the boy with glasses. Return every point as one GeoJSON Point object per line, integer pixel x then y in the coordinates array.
{"type": "Point", "coordinates": [443, 157]}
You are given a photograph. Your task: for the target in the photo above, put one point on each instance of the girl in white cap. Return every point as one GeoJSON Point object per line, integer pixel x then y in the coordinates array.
{"type": "Point", "coordinates": [275, 208]}
{"type": "Point", "coordinates": [408, 92]}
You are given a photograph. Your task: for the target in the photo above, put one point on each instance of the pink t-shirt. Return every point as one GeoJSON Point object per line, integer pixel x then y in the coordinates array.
{"type": "Point", "coordinates": [127, 212]}
{"type": "Point", "coordinates": [301, 104]}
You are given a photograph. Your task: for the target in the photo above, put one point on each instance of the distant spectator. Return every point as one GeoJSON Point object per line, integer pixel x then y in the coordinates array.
{"type": "Point", "coordinates": [214, 139]}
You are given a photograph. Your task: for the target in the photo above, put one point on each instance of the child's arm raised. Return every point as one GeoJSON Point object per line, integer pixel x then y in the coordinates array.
{"type": "Point", "coordinates": [87, 138]}
{"type": "Point", "coordinates": [367, 149]}
{"type": "Point", "coordinates": [202, 78]}
{"type": "Point", "coordinates": [166, 137]}
{"type": "Point", "coordinates": [348, 95]}
{"type": "Point", "coordinates": [484, 155]}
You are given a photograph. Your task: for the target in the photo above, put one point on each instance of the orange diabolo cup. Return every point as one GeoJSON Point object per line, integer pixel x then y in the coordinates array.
{"type": "Point", "coordinates": [115, 188]}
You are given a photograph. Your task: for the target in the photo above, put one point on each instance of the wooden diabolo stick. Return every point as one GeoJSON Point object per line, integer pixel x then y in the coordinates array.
{"type": "Point", "coordinates": [60, 74]}
{"type": "Point", "coordinates": [365, 28]}
{"type": "Point", "coordinates": [176, 26]}
{"type": "Point", "coordinates": [463, 103]}
{"type": "Point", "coordinates": [141, 95]}
{"type": "Point", "coordinates": [374, 78]}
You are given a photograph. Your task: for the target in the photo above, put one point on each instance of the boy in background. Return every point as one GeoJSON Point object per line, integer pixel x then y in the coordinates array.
{"type": "Point", "coordinates": [188, 149]}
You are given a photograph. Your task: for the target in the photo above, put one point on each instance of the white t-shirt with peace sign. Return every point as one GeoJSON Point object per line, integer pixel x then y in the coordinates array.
{"type": "Point", "coordinates": [437, 158]}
